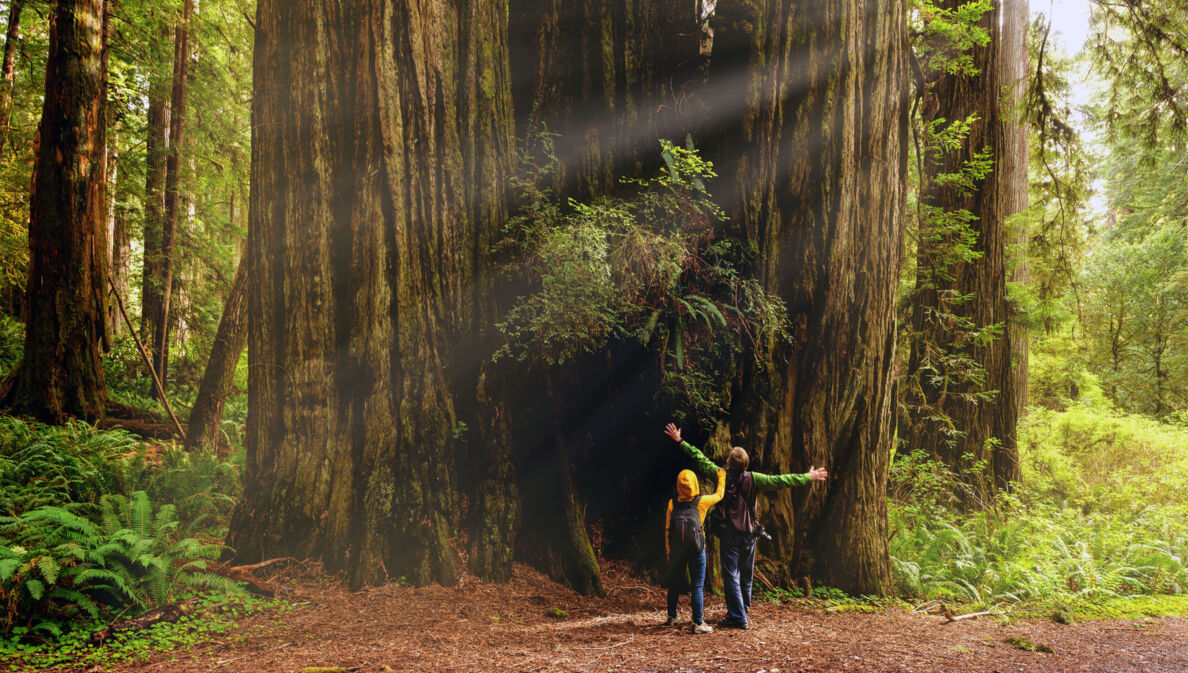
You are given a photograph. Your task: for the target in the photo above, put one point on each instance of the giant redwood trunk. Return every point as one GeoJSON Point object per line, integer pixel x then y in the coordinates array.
{"type": "Point", "coordinates": [60, 374]}
{"type": "Point", "coordinates": [362, 245]}
{"type": "Point", "coordinates": [608, 78]}
{"type": "Point", "coordinates": [815, 170]}
{"type": "Point", "coordinates": [986, 426]}
{"type": "Point", "coordinates": [206, 416]}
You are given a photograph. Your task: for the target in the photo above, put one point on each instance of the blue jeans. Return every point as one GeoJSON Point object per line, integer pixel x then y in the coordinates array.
{"type": "Point", "coordinates": [696, 565]}
{"type": "Point", "coordinates": [738, 569]}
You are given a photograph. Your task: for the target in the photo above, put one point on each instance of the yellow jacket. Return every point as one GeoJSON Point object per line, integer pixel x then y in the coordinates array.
{"type": "Point", "coordinates": [687, 489]}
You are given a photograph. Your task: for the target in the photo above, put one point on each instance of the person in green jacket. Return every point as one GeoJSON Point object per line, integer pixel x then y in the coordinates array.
{"type": "Point", "coordinates": [739, 527]}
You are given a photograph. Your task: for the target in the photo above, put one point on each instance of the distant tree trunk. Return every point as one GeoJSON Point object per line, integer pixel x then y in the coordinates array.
{"type": "Point", "coordinates": [982, 423]}
{"type": "Point", "coordinates": [8, 69]}
{"type": "Point", "coordinates": [156, 147]}
{"type": "Point", "coordinates": [119, 244]}
{"type": "Point", "coordinates": [814, 164]}
{"type": "Point", "coordinates": [177, 126]}
{"type": "Point", "coordinates": [60, 374]}
{"type": "Point", "coordinates": [1013, 181]}
{"type": "Point", "coordinates": [361, 249]}
{"type": "Point", "coordinates": [206, 416]}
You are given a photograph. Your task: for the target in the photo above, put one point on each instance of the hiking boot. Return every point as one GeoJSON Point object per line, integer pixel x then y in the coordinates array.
{"type": "Point", "coordinates": [671, 621]}
{"type": "Point", "coordinates": [702, 627]}
{"type": "Point", "coordinates": [729, 623]}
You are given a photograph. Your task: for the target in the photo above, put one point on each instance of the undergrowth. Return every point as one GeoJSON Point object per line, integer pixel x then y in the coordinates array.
{"type": "Point", "coordinates": [1099, 526]}
{"type": "Point", "coordinates": [97, 524]}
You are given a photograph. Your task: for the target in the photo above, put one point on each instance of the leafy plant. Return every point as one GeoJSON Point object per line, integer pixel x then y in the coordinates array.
{"type": "Point", "coordinates": [649, 264]}
{"type": "Point", "coordinates": [58, 568]}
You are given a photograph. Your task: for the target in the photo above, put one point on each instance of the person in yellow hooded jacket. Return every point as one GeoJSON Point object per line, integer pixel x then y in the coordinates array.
{"type": "Point", "coordinates": [684, 544]}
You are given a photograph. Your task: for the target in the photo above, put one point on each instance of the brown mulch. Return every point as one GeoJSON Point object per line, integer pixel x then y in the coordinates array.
{"type": "Point", "coordinates": [480, 626]}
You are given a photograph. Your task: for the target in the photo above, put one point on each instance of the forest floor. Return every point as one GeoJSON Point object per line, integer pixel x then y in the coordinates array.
{"type": "Point", "coordinates": [480, 626]}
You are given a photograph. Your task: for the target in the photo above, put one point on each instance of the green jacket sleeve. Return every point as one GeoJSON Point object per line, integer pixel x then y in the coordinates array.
{"type": "Point", "coordinates": [770, 482]}
{"type": "Point", "coordinates": [705, 466]}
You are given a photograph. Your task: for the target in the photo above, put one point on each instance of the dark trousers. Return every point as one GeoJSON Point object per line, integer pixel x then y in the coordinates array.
{"type": "Point", "coordinates": [738, 570]}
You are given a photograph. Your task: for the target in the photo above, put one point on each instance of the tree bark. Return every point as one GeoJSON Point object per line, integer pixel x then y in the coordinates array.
{"type": "Point", "coordinates": [8, 68]}
{"type": "Point", "coordinates": [173, 164]}
{"type": "Point", "coordinates": [60, 374]}
{"type": "Point", "coordinates": [814, 157]}
{"type": "Point", "coordinates": [361, 249]}
{"type": "Point", "coordinates": [610, 78]}
{"type": "Point", "coordinates": [206, 416]}
{"type": "Point", "coordinates": [987, 428]}
{"type": "Point", "coordinates": [1014, 166]}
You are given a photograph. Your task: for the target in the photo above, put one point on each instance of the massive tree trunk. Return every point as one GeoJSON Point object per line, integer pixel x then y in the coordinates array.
{"type": "Point", "coordinates": [206, 416]}
{"type": "Point", "coordinates": [8, 69]}
{"type": "Point", "coordinates": [156, 146]}
{"type": "Point", "coordinates": [815, 167]}
{"type": "Point", "coordinates": [1013, 181]}
{"type": "Point", "coordinates": [986, 427]}
{"type": "Point", "coordinates": [173, 165]}
{"type": "Point", "coordinates": [609, 78]}
{"type": "Point", "coordinates": [361, 250]}
{"type": "Point", "coordinates": [60, 374]}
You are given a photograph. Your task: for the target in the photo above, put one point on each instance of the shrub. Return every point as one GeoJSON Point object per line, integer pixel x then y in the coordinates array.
{"type": "Point", "coordinates": [58, 569]}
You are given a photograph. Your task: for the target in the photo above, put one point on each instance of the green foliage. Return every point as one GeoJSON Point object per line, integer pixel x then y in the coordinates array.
{"type": "Point", "coordinates": [209, 617]}
{"type": "Point", "coordinates": [1100, 517]}
{"type": "Point", "coordinates": [649, 265]}
{"type": "Point", "coordinates": [67, 465]}
{"type": "Point", "coordinates": [1135, 320]}
{"type": "Point", "coordinates": [943, 38]}
{"type": "Point", "coordinates": [58, 569]}
{"type": "Point", "coordinates": [12, 343]}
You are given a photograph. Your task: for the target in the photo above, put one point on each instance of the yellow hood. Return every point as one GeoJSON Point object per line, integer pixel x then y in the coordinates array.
{"type": "Point", "coordinates": [687, 486]}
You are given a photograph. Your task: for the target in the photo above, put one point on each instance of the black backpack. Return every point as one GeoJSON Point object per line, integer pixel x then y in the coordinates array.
{"type": "Point", "coordinates": [684, 529]}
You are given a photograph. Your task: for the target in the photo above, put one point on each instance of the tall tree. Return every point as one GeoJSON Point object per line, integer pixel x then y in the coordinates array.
{"type": "Point", "coordinates": [173, 166]}
{"type": "Point", "coordinates": [361, 250]}
{"type": "Point", "coordinates": [206, 415]}
{"type": "Point", "coordinates": [156, 147]}
{"type": "Point", "coordinates": [8, 67]}
{"type": "Point", "coordinates": [978, 410]}
{"type": "Point", "coordinates": [1013, 180]}
{"type": "Point", "coordinates": [815, 163]}
{"type": "Point", "coordinates": [60, 374]}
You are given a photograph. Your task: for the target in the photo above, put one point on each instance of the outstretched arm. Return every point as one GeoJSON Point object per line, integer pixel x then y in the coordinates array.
{"type": "Point", "coordinates": [705, 466]}
{"type": "Point", "coordinates": [774, 482]}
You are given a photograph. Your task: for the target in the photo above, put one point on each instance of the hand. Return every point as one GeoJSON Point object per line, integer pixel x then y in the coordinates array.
{"type": "Point", "coordinates": [673, 431]}
{"type": "Point", "coordinates": [817, 473]}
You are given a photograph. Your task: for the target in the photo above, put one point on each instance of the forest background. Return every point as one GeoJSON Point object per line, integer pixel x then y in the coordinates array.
{"type": "Point", "coordinates": [429, 271]}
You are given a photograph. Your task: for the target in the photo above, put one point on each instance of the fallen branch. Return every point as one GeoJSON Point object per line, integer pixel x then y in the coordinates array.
{"type": "Point", "coordinates": [165, 613]}
{"type": "Point", "coordinates": [611, 647]}
{"type": "Point", "coordinates": [148, 361]}
{"type": "Point", "coordinates": [261, 564]}
{"type": "Point", "coordinates": [241, 574]}
{"type": "Point", "coordinates": [949, 615]}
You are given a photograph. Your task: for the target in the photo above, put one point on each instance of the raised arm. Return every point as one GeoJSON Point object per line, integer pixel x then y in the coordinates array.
{"type": "Point", "coordinates": [705, 467]}
{"type": "Point", "coordinates": [714, 498]}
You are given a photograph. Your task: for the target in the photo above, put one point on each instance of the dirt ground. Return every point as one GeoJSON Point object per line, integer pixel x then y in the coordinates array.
{"type": "Point", "coordinates": [487, 627]}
